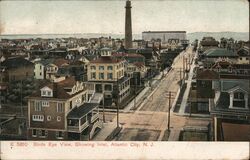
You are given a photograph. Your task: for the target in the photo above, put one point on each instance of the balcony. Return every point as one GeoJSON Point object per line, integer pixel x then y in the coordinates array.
{"type": "Point", "coordinates": [78, 128]}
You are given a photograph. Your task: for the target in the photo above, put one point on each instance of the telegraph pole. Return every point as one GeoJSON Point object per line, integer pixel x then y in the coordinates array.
{"type": "Point", "coordinates": [183, 67]}
{"type": "Point", "coordinates": [103, 105]}
{"type": "Point", "coordinates": [169, 100]}
{"type": "Point", "coordinates": [169, 96]}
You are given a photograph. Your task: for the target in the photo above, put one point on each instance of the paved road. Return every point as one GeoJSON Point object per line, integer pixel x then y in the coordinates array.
{"type": "Point", "coordinates": [149, 122]}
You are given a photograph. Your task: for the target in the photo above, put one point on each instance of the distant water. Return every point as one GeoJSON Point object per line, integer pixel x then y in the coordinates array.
{"type": "Point", "coordinates": [53, 36]}
{"type": "Point", "coordinates": [190, 36]}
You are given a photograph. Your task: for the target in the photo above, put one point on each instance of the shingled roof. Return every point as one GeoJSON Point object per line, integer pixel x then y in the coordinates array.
{"type": "Point", "coordinates": [16, 62]}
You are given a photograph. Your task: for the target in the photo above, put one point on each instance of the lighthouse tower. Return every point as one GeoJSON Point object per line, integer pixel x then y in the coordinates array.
{"type": "Point", "coordinates": [128, 26]}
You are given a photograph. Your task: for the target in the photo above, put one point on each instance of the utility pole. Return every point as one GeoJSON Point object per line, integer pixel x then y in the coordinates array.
{"type": "Point", "coordinates": [135, 92]}
{"type": "Point", "coordinates": [186, 64]}
{"type": "Point", "coordinates": [183, 67]}
{"type": "Point", "coordinates": [103, 105]}
{"type": "Point", "coordinates": [21, 97]}
{"type": "Point", "coordinates": [169, 96]}
{"type": "Point", "coordinates": [180, 78]}
{"type": "Point", "coordinates": [117, 103]}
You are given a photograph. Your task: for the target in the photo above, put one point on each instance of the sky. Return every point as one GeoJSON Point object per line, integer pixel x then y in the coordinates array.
{"type": "Point", "coordinates": [108, 16]}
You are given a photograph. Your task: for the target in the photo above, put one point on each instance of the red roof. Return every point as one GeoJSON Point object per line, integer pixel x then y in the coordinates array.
{"type": "Point", "coordinates": [139, 64]}
{"type": "Point", "coordinates": [106, 60]}
{"type": "Point", "coordinates": [59, 62]}
{"type": "Point", "coordinates": [127, 55]}
{"type": "Point", "coordinates": [207, 75]}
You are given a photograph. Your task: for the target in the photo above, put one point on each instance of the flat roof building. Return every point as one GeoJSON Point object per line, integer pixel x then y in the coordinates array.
{"type": "Point", "coordinates": [164, 36]}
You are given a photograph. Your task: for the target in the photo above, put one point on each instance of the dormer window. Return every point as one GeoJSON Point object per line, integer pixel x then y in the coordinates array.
{"type": "Point", "coordinates": [46, 92]}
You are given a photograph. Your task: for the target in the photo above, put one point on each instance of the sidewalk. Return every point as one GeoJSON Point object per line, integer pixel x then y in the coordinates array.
{"type": "Point", "coordinates": [186, 93]}
{"type": "Point", "coordinates": [106, 130]}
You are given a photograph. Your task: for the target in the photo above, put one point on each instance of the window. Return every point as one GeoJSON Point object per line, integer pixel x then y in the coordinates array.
{"type": "Point", "coordinates": [58, 118]}
{"type": "Point", "coordinates": [43, 133]}
{"type": "Point", "coordinates": [93, 76]}
{"type": "Point", "coordinates": [40, 73]}
{"type": "Point", "coordinates": [34, 133]}
{"type": "Point", "coordinates": [45, 103]}
{"type": "Point", "coordinates": [49, 93]}
{"type": "Point", "coordinates": [40, 67]}
{"type": "Point", "coordinates": [70, 104]}
{"type": "Point", "coordinates": [110, 67]}
{"type": "Point", "coordinates": [38, 106]}
{"type": "Point", "coordinates": [92, 67]}
{"type": "Point", "coordinates": [101, 67]}
{"type": "Point", "coordinates": [101, 75]}
{"type": "Point", "coordinates": [59, 107]}
{"type": "Point", "coordinates": [110, 75]}
{"type": "Point", "coordinates": [48, 118]}
{"type": "Point", "coordinates": [44, 93]}
{"type": "Point", "coordinates": [59, 134]}
{"type": "Point", "coordinates": [83, 120]}
{"type": "Point", "coordinates": [246, 58]}
{"type": "Point", "coordinates": [38, 118]}
{"type": "Point", "coordinates": [108, 87]}
{"type": "Point", "coordinates": [238, 96]}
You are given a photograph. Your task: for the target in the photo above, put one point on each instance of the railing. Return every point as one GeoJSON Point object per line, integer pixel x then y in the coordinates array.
{"type": "Point", "coordinates": [77, 129]}
{"type": "Point", "coordinates": [97, 124]}
{"type": "Point", "coordinates": [84, 126]}
{"type": "Point", "coordinates": [94, 117]}
{"type": "Point", "coordinates": [92, 96]}
{"type": "Point", "coordinates": [73, 128]}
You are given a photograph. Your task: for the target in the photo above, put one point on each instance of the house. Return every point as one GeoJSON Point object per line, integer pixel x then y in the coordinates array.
{"type": "Point", "coordinates": [207, 43]}
{"type": "Point", "coordinates": [63, 111]}
{"type": "Point", "coordinates": [18, 68]}
{"type": "Point", "coordinates": [201, 91]}
{"type": "Point", "coordinates": [77, 69]}
{"type": "Point", "coordinates": [210, 56]}
{"type": "Point", "coordinates": [230, 110]}
{"type": "Point", "coordinates": [244, 56]}
{"type": "Point", "coordinates": [47, 68]}
{"type": "Point", "coordinates": [152, 60]}
{"type": "Point", "coordinates": [106, 74]}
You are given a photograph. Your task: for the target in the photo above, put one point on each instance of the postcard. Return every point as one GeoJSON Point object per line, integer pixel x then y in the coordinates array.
{"type": "Point", "coordinates": [124, 79]}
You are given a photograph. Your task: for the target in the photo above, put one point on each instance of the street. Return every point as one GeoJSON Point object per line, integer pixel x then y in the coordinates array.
{"type": "Point", "coordinates": [149, 121]}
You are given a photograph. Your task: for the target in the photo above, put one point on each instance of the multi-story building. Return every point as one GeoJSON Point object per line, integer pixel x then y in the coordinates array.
{"type": "Point", "coordinates": [47, 69]}
{"type": "Point", "coordinates": [62, 110]}
{"type": "Point", "coordinates": [164, 36]}
{"type": "Point", "coordinates": [107, 73]}
{"type": "Point", "coordinates": [230, 110]}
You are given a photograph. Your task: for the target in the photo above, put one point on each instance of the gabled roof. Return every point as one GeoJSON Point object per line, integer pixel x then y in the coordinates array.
{"type": "Point", "coordinates": [207, 75]}
{"type": "Point", "coordinates": [226, 85]}
{"type": "Point", "coordinates": [58, 89]}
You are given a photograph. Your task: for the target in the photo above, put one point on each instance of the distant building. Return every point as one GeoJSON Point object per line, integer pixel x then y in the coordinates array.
{"type": "Point", "coordinates": [164, 36]}
{"type": "Point", "coordinates": [47, 68]}
{"type": "Point", "coordinates": [207, 43]}
{"type": "Point", "coordinates": [18, 68]}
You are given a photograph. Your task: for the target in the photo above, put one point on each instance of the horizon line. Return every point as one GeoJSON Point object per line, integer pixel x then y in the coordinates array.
{"type": "Point", "coordinates": [12, 34]}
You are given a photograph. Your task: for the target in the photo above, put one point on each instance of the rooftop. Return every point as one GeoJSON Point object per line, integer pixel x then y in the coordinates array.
{"type": "Point", "coordinates": [105, 60]}
{"type": "Point", "coordinates": [220, 52]}
{"type": "Point", "coordinates": [84, 109]}
{"type": "Point", "coordinates": [16, 62]}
